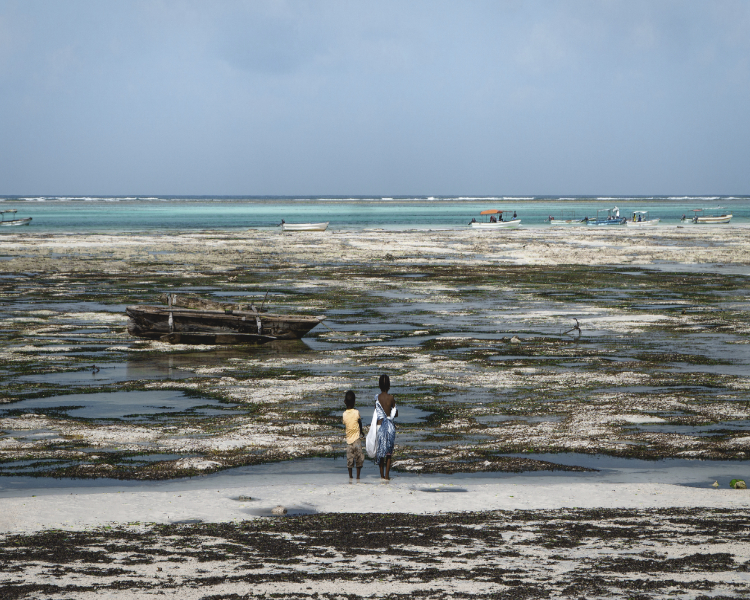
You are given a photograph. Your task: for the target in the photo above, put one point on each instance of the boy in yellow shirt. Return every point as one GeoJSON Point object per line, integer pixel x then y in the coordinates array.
{"type": "Point", "coordinates": [353, 423]}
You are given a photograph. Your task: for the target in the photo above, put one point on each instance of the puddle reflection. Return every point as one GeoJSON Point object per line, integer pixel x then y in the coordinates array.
{"type": "Point", "coordinates": [122, 405]}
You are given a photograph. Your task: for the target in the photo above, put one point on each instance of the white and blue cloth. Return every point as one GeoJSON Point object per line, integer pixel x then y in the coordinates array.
{"type": "Point", "coordinates": [381, 438]}
{"type": "Point", "coordinates": [386, 433]}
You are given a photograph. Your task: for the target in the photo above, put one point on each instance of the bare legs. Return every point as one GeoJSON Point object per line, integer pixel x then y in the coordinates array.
{"type": "Point", "coordinates": [359, 470]}
{"type": "Point", "coordinates": [387, 461]}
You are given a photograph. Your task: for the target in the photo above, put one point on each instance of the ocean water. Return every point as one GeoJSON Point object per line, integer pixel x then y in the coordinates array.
{"type": "Point", "coordinates": [113, 214]}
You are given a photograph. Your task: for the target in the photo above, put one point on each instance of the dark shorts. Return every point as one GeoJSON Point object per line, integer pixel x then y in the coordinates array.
{"type": "Point", "coordinates": [354, 455]}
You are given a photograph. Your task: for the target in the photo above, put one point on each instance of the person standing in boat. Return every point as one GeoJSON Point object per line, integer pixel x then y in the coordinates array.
{"type": "Point", "coordinates": [385, 408]}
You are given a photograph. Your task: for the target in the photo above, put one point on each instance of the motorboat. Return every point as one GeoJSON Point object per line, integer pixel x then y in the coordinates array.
{"type": "Point", "coordinates": [304, 226]}
{"type": "Point", "coordinates": [12, 222]}
{"type": "Point", "coordinates": [700, 216]}
{"type": "Point", "coordinates": [494, 220]}
{"type": "Point", "coordinates": [608, 216]}
{"type": "Point", "coordinates": [641, 219]}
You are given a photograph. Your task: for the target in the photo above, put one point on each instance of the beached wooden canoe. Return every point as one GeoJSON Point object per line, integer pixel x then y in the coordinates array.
{"type": "Point", "coordinates": [194, 301]}
{"type": "Point", "coordinates": [200, 326]}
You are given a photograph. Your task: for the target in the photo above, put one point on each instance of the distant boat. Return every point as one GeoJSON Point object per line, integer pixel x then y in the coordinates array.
{"type": "Point", "coordinates": [640, 219]}
{"type": "Point", "coordinates": [12, 222]}
{"type": "Point", "coordinates": [700, 216]}
{"type": "Point", "coordinates": [567, 219]}
{"type": "Point", "coordinates": [495, 220]}
{"type": "Point", "coordinates": [304, 226]}
{"type": "Point", "coordinates": [608, 216]}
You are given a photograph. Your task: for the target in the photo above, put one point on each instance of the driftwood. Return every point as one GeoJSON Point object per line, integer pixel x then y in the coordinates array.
{"type": "Point", "coordinates": [576, 327]}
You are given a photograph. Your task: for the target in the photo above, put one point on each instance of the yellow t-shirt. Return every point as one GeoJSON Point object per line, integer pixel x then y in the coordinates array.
{"type": "Point", "coordinates": [351, 421]}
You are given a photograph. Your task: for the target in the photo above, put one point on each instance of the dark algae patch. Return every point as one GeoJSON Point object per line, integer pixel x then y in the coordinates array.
{"type": "Point", "coordinates": [540, 554]}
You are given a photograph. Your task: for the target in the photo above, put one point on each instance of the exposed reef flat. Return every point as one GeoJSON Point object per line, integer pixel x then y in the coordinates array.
{"type": "Point", "coordinates": [474, 329]}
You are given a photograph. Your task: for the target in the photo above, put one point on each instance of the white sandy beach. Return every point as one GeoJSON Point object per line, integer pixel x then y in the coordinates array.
{"type": "Point", "coordinates": [196, 500]}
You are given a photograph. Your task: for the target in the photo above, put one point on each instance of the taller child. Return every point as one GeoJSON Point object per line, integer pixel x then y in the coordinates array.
{"type": "Point", "coordinates": [385, 407]}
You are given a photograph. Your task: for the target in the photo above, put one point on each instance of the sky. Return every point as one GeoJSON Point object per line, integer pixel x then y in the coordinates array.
{"type": "Point", "coordinates": [469, 97]}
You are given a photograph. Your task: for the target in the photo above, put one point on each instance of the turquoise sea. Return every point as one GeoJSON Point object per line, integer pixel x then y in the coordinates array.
{"type": "Point", "coordinates": [112, 214]}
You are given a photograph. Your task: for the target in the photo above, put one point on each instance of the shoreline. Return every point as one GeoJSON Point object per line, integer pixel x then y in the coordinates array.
{"type": "Point", "coordinates": [236, 498]}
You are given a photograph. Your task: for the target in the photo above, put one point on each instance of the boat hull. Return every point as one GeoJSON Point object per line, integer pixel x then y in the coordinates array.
{"type": "Point", "coordinates": [567, 222]}
{"type": "Point", "coordinates": [180, 325]}
{"type": "Point", "coordinates": [649, 223]}
{"type": "Point", "coordinates": [608, 222]}
{"type": "Point", "coordinates": [499, 225]}
{"type": "Point", "coordinates": [304, 226]}
{"type": "Point", "coordinates": [712, 220]}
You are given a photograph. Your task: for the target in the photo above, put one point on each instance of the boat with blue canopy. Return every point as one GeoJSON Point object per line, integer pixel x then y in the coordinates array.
{"type": "Point", "coordinates": [608, 216]}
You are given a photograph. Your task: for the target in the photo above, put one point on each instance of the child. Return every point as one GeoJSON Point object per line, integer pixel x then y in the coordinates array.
{"type": "Point", "coordinates": [353, 423]}
{"type": "Point", "coordinates": [385, 411]}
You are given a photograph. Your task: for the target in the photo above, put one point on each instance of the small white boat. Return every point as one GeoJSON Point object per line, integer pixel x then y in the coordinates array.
{"type": "Point", "coordinates": [495, 220]}
{"type": "Point", "coordinates": [514, 224]}
{"type": "Point", "coordinates": [640, 219]}
{"type": "Point", "coordinates": [700, 216]}
{"type": "Point", "coordinates": [304, 226]}
{"type": "Point", "coordinates": [12, 222]}
{"type": "Point", "coordinates": [567, 218]}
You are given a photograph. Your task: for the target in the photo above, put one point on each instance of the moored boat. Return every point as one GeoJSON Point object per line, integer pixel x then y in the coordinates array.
{"type": "Point", "coordinates": [567, 219]}
{"type": "Point", "coordinates": [608, 216]}
{"type": "Point", "coordinates": [304, 226]}
{"type": "Point", "coordinates": [179, 325]}
{"type": "Point", "coordinates": [12, 222]}
{"type": "Point", "coordinates": [640, 219]}
{"type": "Point", "coordinates": [495, 220]}
{"type": "Point", "coordinates": [700, 216]}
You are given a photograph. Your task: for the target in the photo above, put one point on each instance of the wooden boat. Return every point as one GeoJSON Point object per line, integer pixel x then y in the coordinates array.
{"type": "Point", "coordinates": [194, 301]}
{"type": "Point", "coordinates": [495, 220]}
{"type": "Point", "coordinates": [12, 222]}
{"type": "Point", "coordinates": [640, 219]}
{"type": "Point", "coordinates": [700, 216]}
{"type": "Point", "coordinates": [304, 226]}
{"type": "Point", "coordinates": [608, 216]}
{"type": "Point", "coordinates": [179, 325]}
